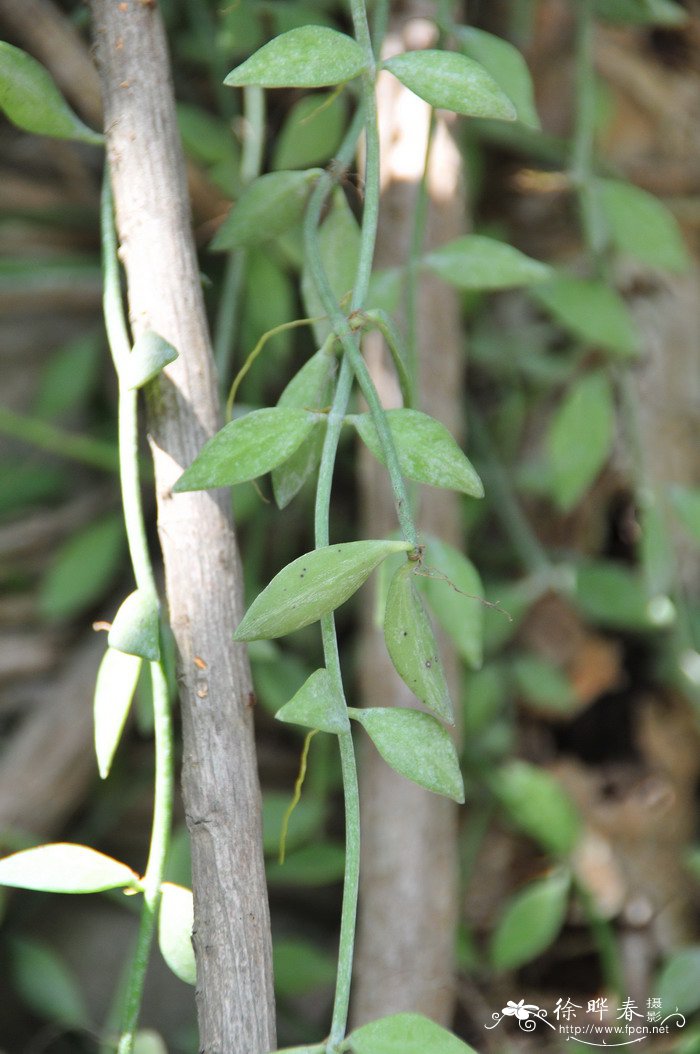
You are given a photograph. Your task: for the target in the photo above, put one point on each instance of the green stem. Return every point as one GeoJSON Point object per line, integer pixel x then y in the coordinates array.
{"type": "Point", "coordinates": [39, 433]}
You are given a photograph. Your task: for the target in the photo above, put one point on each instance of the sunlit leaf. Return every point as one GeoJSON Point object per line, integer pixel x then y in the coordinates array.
{"type": "Point", "coordinates": [307, 57]}
{"type": "Point", "coordinates": [507, 67]}
{"type": "Point", "coordinates": [136, 626]}
{"type": "Point", "coordinates": [116, 683]}
{"type": "Point", "coordinates": [531, 922]}
{"type": "Point", "coordinates": [65, 868]}
{"type": "Point", "coordinates": [317, 704]}
{"type": "Point", "coordinates": [450, 81]}
{"type": "Point", "coordinates": [175, 922]}
{"type": "Point", "coordinates": [416, 746]}
{"type": "Point", "coordinates": [267, 207]}
{"type": "Point", "coordinates": [476, 262]}
{"type": "Point", "coordinates": [412, 647]}
{"type": "Point", "coordinates": [580, 437]}
{"type": "Point", "coordinates": [406, 1034]}
{"type": "Point", "coordinates": [313, 585]}
{"type": "Point", "coordinates": [149, 355]}
{"type": "Point", "coordinates": [31, 100]}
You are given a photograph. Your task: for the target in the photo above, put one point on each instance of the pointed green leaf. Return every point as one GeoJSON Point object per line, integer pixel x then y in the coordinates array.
{"type": "Point", "coordinates": [46, 984]}
{"type": "Point", "coordinates": [317, 704]}
{"type": "Point", "coordinates": [307, 57]}
{"type": "Point", "coordinates": [65, 868]}
{"type": "Point", "coordinates": [32, 101]}
{"type": "Point", "coordinates": [412, 647]}
{"type": "Point", "coordinates": [312, 865]}
{"type": "Point", "coordinates": [301, 968]}
{"type": "Point", "coordinates": [416, 746]}
{"type": "Point", "coordinates": [536, 803]}
{"type": "Point", "coordinates": [450, 81]}
{"type": "Point", "coordinates": [426, 451]}
{"type": "Point", "coordinates": [267, 207]}
{"type": "Point", "coordinates": [311, 586]}
{"type": "Point", "coordinates": [455, 598]}
{"type": "Point", "coordinates": [543, 685]}
{"type": "Point", "coordinates": [580, 437]}
{"type": "Point", "coordinates": [149, 355]}
{"type": "Point", "coordinates": [641, 12]}
{"type": "Point", "coordinates": [339, 250]}
{"type": "Point", "coordinates": [246, 448]}
{"type": "Point", "coordinates": [531, 922]}
{"type": "Point", "coordinates": [591, 311]}
{"type": "Point", "coordinates": [641, 226]}
{"type": "Point", "coordinates": [406, 1034]}
{"type": "Point", "coordinates": [175, 922]}
{"type": "Point", "coordinates": [310, 389]}
{"type": "Point", "coordinates": [612, 594]}
{"type": "Point", "coordinates": [116, 683]}
{"type": "Point", "coordinates": [311, 133]}
{"type": "Point", "coordinates": [136, 626]}
{"type": "Point", "coordinates": [477, 262]}
{"type": "Point", "coordinates": [83, 569]}
{"type": "Point", "coordinates": [686, 504]}
{"type": "Point", "coordinates": [506, 65]}
{"type": "Point", "coordinates": [679, 983]}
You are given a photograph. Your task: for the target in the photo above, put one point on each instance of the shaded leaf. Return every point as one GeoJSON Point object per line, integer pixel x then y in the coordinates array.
{"type": "Point", "coordinates": [406, 1034]}
{"type": "Point", "coordinates": [580, 437]}
{"type": "Point", "coordinates": [416, 746]}
{"type": "Point", "coordinates": [426, 451]}
{"type": "Point", "coordinates": [686, 504]}
{"type": "Point", "coordinates": [149, 355]}
{"type": "Point", "coordinates": [642, 226]}
{"type": "Point", "coordinates": [267, 207]}
{"type": "Point", "coordinates": [300, 967]}
{"type": "Point", "coordinates": [679, 983]}
{"type": "Point", "coordinates": [313, 865]}
{"type": "Point", "coordinates": [65, 868]}
{"type": "Point", "coordinates": [456, 602]}
{"type": "Point", "coordinates": [246, 448]}
{"type": "Point", "coordinates": [136, 626]}
{"type": "Point", "coordinates": [307, 57]}
{"type": "Point", "coordinates": [311, 133]}
{"type": "Point", "coordinates": [531, 922]}
{"type": "Point", "coordinates": [412, 646]}
{"type": "Point", "coordinates": [536, 803]}
{"type": "Point", "coordinates": [506, 65]}
{"type": "Point", "coordinates": [544, 685]}
{"type": "Point", "coordinates": [31, 100]}
{"type": "Point", "coordinates": [116, 683]}
{"type": "Point", "coordinates": [591, 311]}
{"type": "Point", "coordinates": [450, 81]}
{"type": "Point", "coordinates": [68, 377]}
{"type": "Point", "coordinates": [339, 251]}
{"type": "Point", "coordinates": [612, 594]}
{"type": "Point", "coordinates": [83, 569]}
{"type": "Point", "coordinates": [46, 984]}
{"type": "Point", "coordinates": [477, 262]}
{"type": "Point", "coordinates": [175, 921]}
{"type": "Point", "coordinates": [317, 704]}
{"type": "Point", "coordinates": [313, 585]}
{"type": "Point", "coordinates": [641, 12]}
{"type": "Point", "coordinates": [305, 822]}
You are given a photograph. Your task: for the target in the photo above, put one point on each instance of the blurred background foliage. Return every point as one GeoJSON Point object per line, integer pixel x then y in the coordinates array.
{"type": "Point", "coordinates": [578, 844]}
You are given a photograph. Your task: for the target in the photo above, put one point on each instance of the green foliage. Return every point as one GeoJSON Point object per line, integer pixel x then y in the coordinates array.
{"type": "Point", "coordinates": [476, 262]}
{"type": "Point", "coordinates": [46, 985]}
{"type": "Point", "coordinates": [268, 207]}
{"type": "Point", "coordinates": [451, 81]}
{"type": "Point", "coordinates": [543, 685]}
{"type": "Point", "coordinates": [83, 569]}
{"type": "Point", "coordinates": [65, 868]}
{"type": "Point", "coordinates": [116, 683]}
{"type": "Point", "coordinates": [306, 57]}
{"type": "Point", "coordinates": [301, 968]}
{"type": "Point", "coordinates": [535, 802]}
{"type": "Point", "coordinates": [311, 133]}
{"type": "Point", "coordinates": [317, 704]}
{"type": "Point", "coordinates": [686, 505]}
{"type": "Point", "coordinates": [506, 65]}
{"type": "Point", "coordinates": [149, 355]}
{"type": "Point", "coordinates": [591, 311]}
{"type": "Point", "coordinates": [453, 589]}
{"type": "Point", "coordinates": [404, 1034]}
{"type": "Point", "coordinates": [175, 921]}
{"type": "Point", "coordinates": [136, 626]}
{"type": "Point", "coordinates": [530, 923]}
{"type": "Point", "coordinates": [611, 594]}
{"type": "Point", "coordinates": [579, 439]}
{"type": "Point", "coordinates": [679, 981]}
{"type": "Point", "coordinates": [339, 251]}
{"type": "Point", "coordinates": [69, 377]}
{"type": "Point", "coordinates": [641, 226]}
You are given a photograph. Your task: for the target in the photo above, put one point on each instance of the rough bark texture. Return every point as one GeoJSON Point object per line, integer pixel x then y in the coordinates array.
{"type": "Point", "coordinates": [408, 904]}
{"type": "Point", "coordinates": [220, 782]}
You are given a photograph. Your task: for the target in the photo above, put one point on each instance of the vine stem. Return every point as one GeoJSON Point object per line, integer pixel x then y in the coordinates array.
{"type": "Point", "coordinates": [118, 338]}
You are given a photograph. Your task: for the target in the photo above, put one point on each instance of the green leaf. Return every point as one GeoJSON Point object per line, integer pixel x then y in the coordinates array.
{"type": "Point", "coordinates": [83, 569]}
{"type": "Point", "coordinates": [543, 685]}
{"type": "Point", "coordinates": [311, 586]}
{"type": "Point", "coordinates": [46, 985]}
{"type": "Point", "coordinates": [68, 378]}
{"type": "Point", "coordinates": [591, 311]}
{"type": "Point", "coordinates": [506, 65]}
{"type": "Point", "coordinates": [149, 355]}
{"type": "Point", "coordinates": [416, 746]}
{"type": "Point", "coordinates": [305, 822]}
{"type": "Point", "coordinates": [267, 207]}
{"type": "Point", "coordinates": [317, 704]}
{"type": "Point", "coordinates": [641, 12]}
{"type": "Point", "coordinates": [686, 505]}
{"type": "Point", "coordinates": [301, 968]}
{"type": "Point", "coordinates": [426, 451]}
{"type": "Point", "coordinates": [456, 600]}
{"type": "Point", "coordinates": [116, 683]}
{"type": "Point", "coordinates": [579, 438]}
{"type": "Point", "coordinates": [406, 1034]}
{"type": "Point", "coordinates": [311, 133]}
{"type": "Point", "coordinates": [313, 865]}
{"type": "Point", "coordinates": [641, 226]}
{"type": "Point", "coordinates": [679, 983]}
{"type": "Point", "coordinates": [65, 868]}
{"type": "Point", "coordinates": [339, 251]}
{"type": "Point", "coordinates": [531, 922]}
{"type": "Point", "coordinates": [147, 1041]}
{"type": "Point", "coordinates": [246, 448]}
{"type": "Point", "coordinates": [536, 803]}
{"type": "Point", "coordinates": [32, 101]}
{"type": "Point", "coordinates": [450, 81]}
{"type": "Point", "coordinates": [307, 57]}
{"type": "Point", "coordinates": [612, 594]}
{"type": "Point", "coordinates": [412, 646]}
{"type": "Point", "coordinates": [477, 262]}
{"type": "Point", "coordinates": [205, 137]}
{"type": "Point", "coordinates": [175, 922]}
{"type": "Point", "coordinates": [310, 389]}
{"type": "Point", "coordinates": [136, 626]}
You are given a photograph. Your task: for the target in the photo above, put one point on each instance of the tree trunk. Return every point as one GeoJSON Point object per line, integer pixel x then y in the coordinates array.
{"type": "Point", "coordinates": [220, 783]}
{"type": "Point", "coordinates": [408, 899]}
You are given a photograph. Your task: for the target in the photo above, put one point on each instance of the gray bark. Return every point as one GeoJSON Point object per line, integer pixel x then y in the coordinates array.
{"type": "Point", "coordinates": [203, 582]}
